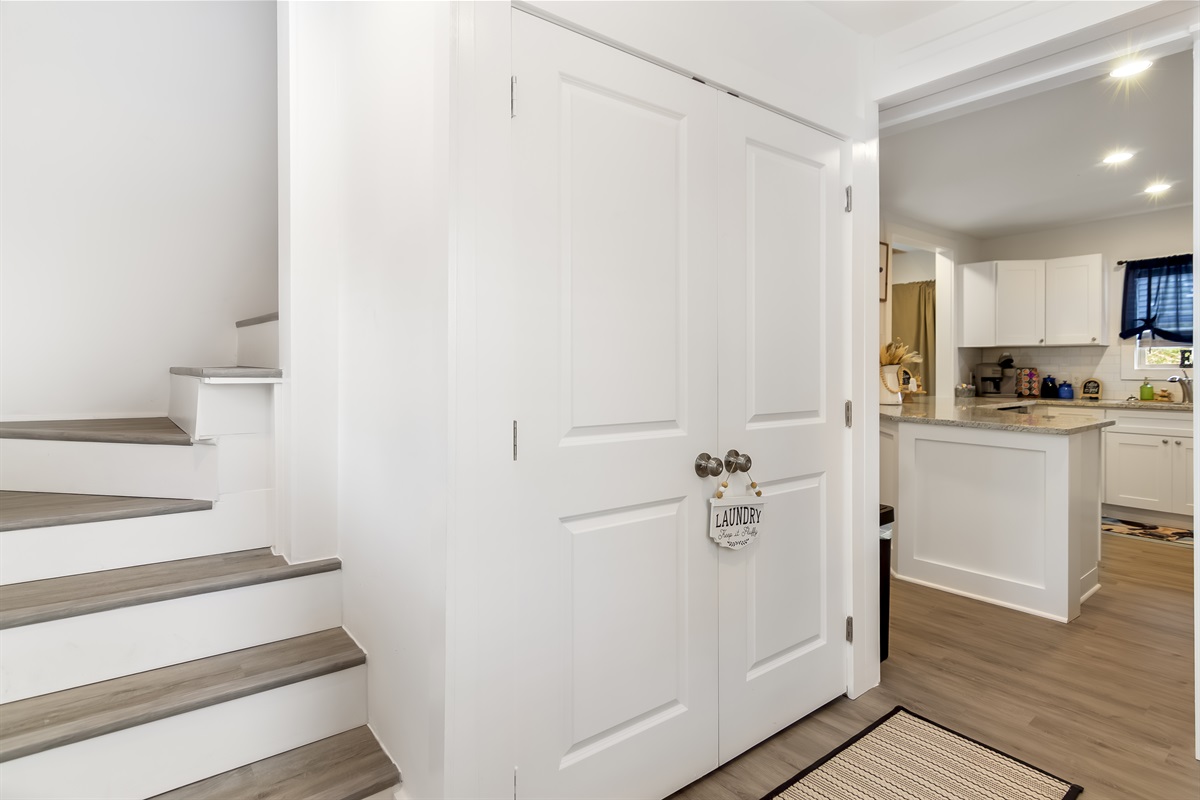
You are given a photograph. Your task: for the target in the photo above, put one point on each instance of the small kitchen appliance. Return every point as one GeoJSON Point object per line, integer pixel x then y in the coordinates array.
{"type": "Point", "coordinates": [994, 380]}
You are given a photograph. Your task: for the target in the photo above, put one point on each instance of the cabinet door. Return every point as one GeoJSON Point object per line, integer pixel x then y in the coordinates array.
{"type": "Point", "coordinates": [1138, 471]}
{"type": "Point", "coordinates": [1075, 312]}
{"type": "Point", "coordinates": [1020, 303]}
{"type": "Point", "coordinates": [977, 304]}
{"type": "Point", "coordinates": [1182, 453]}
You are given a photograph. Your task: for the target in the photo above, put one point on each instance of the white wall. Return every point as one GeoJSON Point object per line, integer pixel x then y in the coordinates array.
{"type": "Point", "coordinates": [138, 209]}
{"type": "Point", "coordinates": [1158, 233]}
{"type": "Point", "coordinates": [367, 294]}
{"type": "Point", "coordinates": [913, 266]}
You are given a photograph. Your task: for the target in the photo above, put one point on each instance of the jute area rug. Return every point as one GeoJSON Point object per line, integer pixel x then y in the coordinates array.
{"type": "Point", "coordinates": [907, 757]}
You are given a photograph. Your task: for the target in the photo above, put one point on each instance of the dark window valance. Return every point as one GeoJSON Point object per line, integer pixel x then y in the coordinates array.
{"type": "Point", "coordinates": [1158, 298]}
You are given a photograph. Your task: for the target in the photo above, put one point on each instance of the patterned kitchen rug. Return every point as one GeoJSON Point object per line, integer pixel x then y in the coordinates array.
{"type": "Point", "coordinates": [1145, 530]}
{"type": "Point", "coordinates": [904, 756]}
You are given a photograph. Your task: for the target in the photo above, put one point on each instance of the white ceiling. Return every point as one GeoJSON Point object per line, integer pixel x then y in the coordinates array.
{"type": "Point", "coordinates": [877, 17]}
{"type": "Point", "coordinates": [1035, 163]}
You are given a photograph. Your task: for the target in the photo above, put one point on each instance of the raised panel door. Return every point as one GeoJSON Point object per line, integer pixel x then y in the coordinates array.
{"type": "Point", "coordinates": [781, 332]}
{"type": "Point", "coordinates": [614, 578]}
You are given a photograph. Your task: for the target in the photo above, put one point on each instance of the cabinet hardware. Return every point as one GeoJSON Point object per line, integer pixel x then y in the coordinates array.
{"type": "Point", "coordinates": [1164, 441]}
{"type": "Point", "coordinates": [1178, 442]}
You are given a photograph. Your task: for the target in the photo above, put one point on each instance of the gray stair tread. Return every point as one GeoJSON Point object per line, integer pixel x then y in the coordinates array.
{"type": "Point", "coordinates": [228, 372]}
{"type": "Point", "coordinates": [272, 317]}
{"type": "Point", "coordinates": [19, 510]}
{"type": "Point", "coordinates": [74, 715]}
{"type": "Point", "coordinates": [142, 430]}
{"type": "Point", "coordinates": [57, 598]}
{"type": "Point", "coordinates": [349, 766]}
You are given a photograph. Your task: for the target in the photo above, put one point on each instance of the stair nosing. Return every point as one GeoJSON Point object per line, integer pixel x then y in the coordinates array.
{"type": "Point", "coordinates": [166, 507]}
{"type": "Point", "coordinates": [259, 320]}
{"type": "Point", "coordinates": [111, 720]}
{"type": "Point", "coordinates": [228, 372]}
{"type": "Point", "coordinates": [49, 612]}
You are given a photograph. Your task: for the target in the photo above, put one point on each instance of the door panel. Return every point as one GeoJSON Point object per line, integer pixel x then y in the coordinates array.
{"type": "Point", "coordinates": [615, 577]}
{"type": "Point", "coordinates": [780, 271]}
{"type": "Point", "coordinates": [1137, 471]}
{"type": "Point", "coordinates": [1020, 302]}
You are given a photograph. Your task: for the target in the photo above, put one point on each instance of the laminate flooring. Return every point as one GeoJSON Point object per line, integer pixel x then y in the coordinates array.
{"type": "Point", "coordinates": [1105, 701]}
{"type": "Point", "coordinates": [21, 510]}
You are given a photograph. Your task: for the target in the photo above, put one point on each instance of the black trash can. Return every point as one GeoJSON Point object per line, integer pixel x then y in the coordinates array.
{"type": "Point", "coordinates": [887, 517]}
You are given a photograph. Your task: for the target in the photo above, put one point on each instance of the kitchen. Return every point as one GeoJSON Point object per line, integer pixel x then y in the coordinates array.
{"type": "Point", "coordinates": [996, 239]}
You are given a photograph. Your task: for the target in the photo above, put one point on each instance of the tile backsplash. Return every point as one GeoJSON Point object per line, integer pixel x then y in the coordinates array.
{"type": "Point", "coordinates": [1077, 364]}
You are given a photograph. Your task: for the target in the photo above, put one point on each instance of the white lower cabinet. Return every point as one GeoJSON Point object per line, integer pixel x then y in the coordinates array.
{"type": "Point", "coordinates": [1139, 471]}
{"type": "Point", "coordinates": [1148, 462]}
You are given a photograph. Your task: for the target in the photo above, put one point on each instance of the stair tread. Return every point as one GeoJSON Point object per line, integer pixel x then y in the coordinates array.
{"type": "Point", "coordinates": [142, 430]}
{"type": "Point", "coordinates": [349, 766]}
{"type": "Point", "coordinates": [74, 715]}
{"type": "Point", "coordinates": [228, 372]}
{"type": "Point", "coordinates": [259, 320]}
{"type": "Point", "coordinates": [20, 510]}
{"type": "Point", "coordinates": [73, 595]}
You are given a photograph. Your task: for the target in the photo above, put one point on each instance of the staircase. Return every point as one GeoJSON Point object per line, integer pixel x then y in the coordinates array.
{"type": "Point", "coordinates": [151, 644]}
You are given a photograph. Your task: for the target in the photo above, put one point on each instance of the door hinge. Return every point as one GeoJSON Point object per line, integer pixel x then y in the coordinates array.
{"type": "Point", "coordinates": [512, 97]}
{"type": "Point", "coordinates": [850, 629]}
{"type": "Point", "coordinates": [849, 197]}
{"type": "Point", "coordinates": [514, 440]}
{"type": "Point", "coordinates": [849, 413]}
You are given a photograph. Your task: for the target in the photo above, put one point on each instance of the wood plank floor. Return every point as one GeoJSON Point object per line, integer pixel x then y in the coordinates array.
{"type": "Point", "coordinates": [20, 510]}
{"type": "Point", "coordinates": [73, 715]}
{"type": "Point", "coordinates": [72, 595]}
{"type": "Point", "coordinates": [143, 430]}
{"type": "Point", "coordinates": [1105, 701]}
{"type": "Point", "coordinates": [349, 766]}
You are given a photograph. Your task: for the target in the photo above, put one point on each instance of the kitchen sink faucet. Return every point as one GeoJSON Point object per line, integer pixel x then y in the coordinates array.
{"type": "Point", "coordinates": [1185, 385]}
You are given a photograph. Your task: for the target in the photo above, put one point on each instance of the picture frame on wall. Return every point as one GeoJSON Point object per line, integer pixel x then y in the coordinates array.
{"type": "Point", "coordinates": [885, 269]}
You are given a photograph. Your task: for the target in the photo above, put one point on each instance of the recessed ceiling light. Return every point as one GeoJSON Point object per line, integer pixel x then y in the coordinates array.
{"type": "Point", "coordinates": [1117, 158]}
{"type": "Point", "coordinates": [1131, 68]}
{"type": "Point", "coordinates": [1158, 187]}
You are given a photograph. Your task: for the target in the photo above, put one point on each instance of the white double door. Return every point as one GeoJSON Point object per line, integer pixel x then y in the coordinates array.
{"type": "Point", "coordinates": [681, 254]}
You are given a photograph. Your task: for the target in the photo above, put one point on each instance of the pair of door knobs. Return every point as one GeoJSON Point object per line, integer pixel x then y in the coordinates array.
{"type": "Point", "coordinates": [711, 466]}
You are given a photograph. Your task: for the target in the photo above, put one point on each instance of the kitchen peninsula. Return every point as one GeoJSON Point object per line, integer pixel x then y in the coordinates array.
{"type": "Point", "coordinates": [999, 505]}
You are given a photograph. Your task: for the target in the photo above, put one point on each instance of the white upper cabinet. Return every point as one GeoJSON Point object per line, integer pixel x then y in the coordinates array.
{"type": "Point", "coordinates": [1060, 301]}
{"type": "Point", "coordinates": [977, 304]}
{"type": "Point", "coordinates": [1075, 293]}
{"type": "Point", "coordinates": [1020, 303]}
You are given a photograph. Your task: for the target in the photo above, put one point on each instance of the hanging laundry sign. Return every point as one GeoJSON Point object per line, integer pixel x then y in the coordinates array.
{"type": "Point", "coordinates": [735, 522]}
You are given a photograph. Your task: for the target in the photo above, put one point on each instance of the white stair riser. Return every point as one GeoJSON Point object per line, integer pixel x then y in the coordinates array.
{"type": "Point", "coordinates": [52, 656]}
{"type": "Point", "coordinates": [247, 462]}
{"type": "Point", "coordinates": [258, 345]}
{"type": "Point", "coordinates": [206, 409]}
{"type": "Point", "coordinates": [241, 521]}
{"type": "Point", "coordinates": [131, 470]}
{"type": "Point", "coordinates": [153, 758]}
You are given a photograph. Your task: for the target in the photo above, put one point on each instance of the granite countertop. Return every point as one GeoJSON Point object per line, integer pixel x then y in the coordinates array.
{"type": "Point", "coordinates": [983, 413]}
{"type": "Point", "coordinates": [1156, 405]}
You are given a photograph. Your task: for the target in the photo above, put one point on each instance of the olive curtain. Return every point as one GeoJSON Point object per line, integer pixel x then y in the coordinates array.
{"type": "Point", "coordinates": [914, 323]}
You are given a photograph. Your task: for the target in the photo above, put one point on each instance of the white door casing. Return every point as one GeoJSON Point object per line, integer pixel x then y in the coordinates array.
{"type": "Point", "coordinates": [783, 649]}
{"type": "Point", "coordinates": [615, 237]}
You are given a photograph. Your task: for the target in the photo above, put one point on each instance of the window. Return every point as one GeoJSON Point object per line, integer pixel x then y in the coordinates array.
{"type": "Point", "coordinates": [1158, 354]}
{"type": "Point", "coordinates": [1157, 301]}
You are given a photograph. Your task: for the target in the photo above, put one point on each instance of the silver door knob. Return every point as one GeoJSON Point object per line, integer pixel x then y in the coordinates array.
{"type": "Point", "coordinates": [707, 466]}
{"type": "Point", "coordinates": [737, 462]}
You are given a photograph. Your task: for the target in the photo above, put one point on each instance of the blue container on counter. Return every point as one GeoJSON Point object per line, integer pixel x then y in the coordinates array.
{"type": "Point", "coordinates": [1066, 392]}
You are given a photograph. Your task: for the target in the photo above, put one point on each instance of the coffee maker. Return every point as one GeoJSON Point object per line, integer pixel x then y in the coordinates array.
{"type": "Point", "coordinates": [994, 380]}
